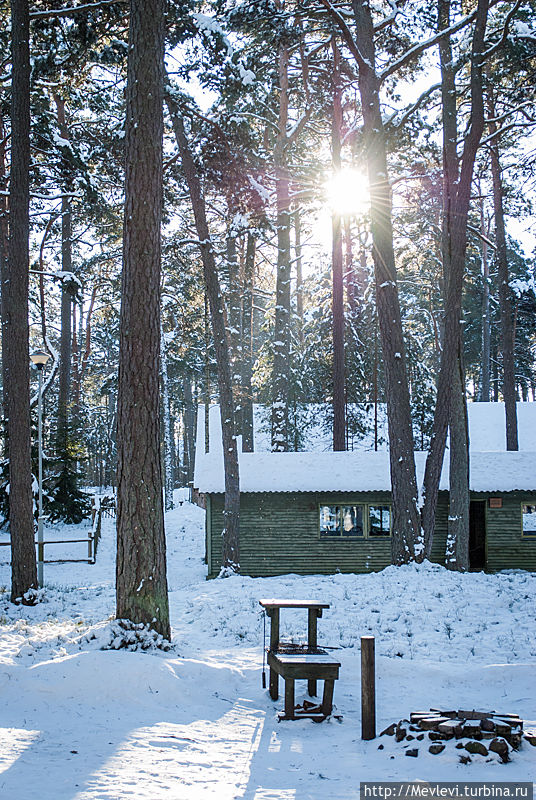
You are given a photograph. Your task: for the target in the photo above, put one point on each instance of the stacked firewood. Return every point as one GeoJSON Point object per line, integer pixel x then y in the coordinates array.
{"type": "Point", "coordinates": [474, 732]}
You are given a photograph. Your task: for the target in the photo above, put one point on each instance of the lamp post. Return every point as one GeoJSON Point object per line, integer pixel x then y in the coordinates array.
{"type": "Point", "coordinates": [39, 359]}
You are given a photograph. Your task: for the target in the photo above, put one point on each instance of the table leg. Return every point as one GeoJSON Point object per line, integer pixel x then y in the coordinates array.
{"type": "Point", "coordinates": [312, 643]}
{"type": "Point", "coordinates": [327, 699]}
{"type": "Point", "coordinates": [289, 698]}
{"type": "Point", "coordinates": [274, 684]}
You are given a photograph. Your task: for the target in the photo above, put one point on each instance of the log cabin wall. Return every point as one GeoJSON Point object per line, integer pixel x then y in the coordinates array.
{"type": "Point", "coordinates": [279, 534]}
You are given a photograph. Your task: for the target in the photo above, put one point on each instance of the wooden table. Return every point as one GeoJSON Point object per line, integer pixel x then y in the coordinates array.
{"type": "Point", "coordinates": [311, 665]}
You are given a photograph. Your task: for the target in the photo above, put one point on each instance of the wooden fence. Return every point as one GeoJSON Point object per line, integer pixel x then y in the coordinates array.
{"type": "Point", "coordinates": [102, 507]}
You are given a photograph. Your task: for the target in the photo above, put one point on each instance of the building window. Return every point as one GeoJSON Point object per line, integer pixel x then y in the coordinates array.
{"type": "Point", "coordinates": [529, 520]}
{"type": "Point", "coordinates": [330, 521]}
{"type": "Point", "coordinates": [352, 520]}
{"type": "Point", "coordinates": [341, 520]}
{"type": "Point", "coordinates": [379, 520]}
{"type": "Point", "coordinates": [355, 520]}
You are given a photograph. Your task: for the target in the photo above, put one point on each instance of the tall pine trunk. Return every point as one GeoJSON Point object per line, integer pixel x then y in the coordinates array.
{"type": "Point", "coordinates": [406, 522]}
{"type": "Point", "coordinates": [4, 239]}
{"type": "Point", "coordinates": [168, 434]}
{"type": "Point", "coordinates": [456, 211]}
{"type": "Point", "coordinates": [281, 367]}
{"type": "Point", "coordinates": [231, 511]}
{"type": "Point", "coordinates": [247, 347]}
{"type": "Point", "coordinates": [505, 296]}
{"type": "Point", "coordinates": [142, 593]}
{"type": "Point", "coordinates": [15, 302]}
{"type": "Point", "coordinates": [64, 383]}
{"type": "Point", "coordinates": [485, 376]}
{"type": "Point", "coordinates": [339, 409]}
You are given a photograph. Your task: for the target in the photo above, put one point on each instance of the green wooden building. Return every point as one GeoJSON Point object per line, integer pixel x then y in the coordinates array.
{"type": "Point", "coordinates": [323, 512]}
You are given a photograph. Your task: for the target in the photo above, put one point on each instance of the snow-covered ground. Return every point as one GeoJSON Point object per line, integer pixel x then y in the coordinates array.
{"type": "Point", "coordinates": [78, 722]}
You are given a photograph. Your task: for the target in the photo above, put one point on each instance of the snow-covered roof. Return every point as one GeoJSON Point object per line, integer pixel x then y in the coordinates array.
{"type": "Point", "coordinates": [357, 471]}
{"type": "Point", "coordinates": [492, 468]}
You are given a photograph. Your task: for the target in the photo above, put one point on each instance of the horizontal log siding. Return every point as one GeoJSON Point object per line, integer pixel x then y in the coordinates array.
{"type": "Point", "coordinates": [506, 547]}
{"type": "Point", "coordinates": [279, 533]}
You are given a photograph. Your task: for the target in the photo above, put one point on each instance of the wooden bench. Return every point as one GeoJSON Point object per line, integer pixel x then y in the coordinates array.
{"type": "Point", "coordinates": [309, 662]}
{"type": "Point", "coordinates": [308, 666]}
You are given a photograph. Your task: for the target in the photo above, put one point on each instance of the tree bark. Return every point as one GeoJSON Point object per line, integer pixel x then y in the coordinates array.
{"type": "Point", "coordinates": [15, 291]}
{"type": "Point", "coordinates": [189, 430]}
{"type": "Point", "coordinates": [4, 240]}
{"type": "Point", "coordinates": [247, 347]}
{"type": "Point", "coordinates": [457, 549]}
{"type": "Point", "coordinates": [505, 296]}
{"type": "Point", "coordinates": [231, 512]}
{"type": "Point", "coordinates": [457, 211]}
{"type": "Point", "coordinates": [339, 416]}
{"type": "Point", "coordinates": [168, 436]}
{"type": "Point", "coordinates": [485, 379]}
{"type": "Point", "coordinates": [406, 523]}
{"type": "Point", "coordinates": [281, 366]}
{"type": "Point", "coordinates": [62, 433]}
{"type": "Point", "coordinates": [142, 594]}
{"type": "Point", "coordinates": [299, 271]}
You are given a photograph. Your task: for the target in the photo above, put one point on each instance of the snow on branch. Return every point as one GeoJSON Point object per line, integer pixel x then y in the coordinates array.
{"type": "Point", "coordinates": [412, 108]}
{"type": "Point", "coordinates": [505, 32]}
{"type": "Point", "coordinates": [417, 49]}
{"type": "Point", "coordinates": [347, 35]}
{"type": "Point", "coordinates": [69, 12]}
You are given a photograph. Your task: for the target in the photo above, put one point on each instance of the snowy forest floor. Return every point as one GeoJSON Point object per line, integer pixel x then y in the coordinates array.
{"type": "Point", "coordinates": [79, 722]}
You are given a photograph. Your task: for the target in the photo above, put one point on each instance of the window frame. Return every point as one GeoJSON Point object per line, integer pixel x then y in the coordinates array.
{"type": "Point", "coordinates": [366, 535]}
{"type": "Point", "coordinates": [531, 537]}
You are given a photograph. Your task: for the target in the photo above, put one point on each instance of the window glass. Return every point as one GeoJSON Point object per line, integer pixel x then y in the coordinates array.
{"type": "Point", "coordinates": [529, 520]}
{"type": "Point", "coordinates": [352, 520]}
{"type": "Point", "coordinates": [330, 521]}
{"type": "Point", "coordinates": [379, 520]}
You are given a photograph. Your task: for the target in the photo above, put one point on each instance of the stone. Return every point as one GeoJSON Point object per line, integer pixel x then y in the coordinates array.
{"type": "Point", "coordinates": [487, 725]}
{"type": "Point", "coordinates": [413, 752]}
{"type": "Point", "coordinates": [436, 748]}
{"type": "Point", "coordinates": [389, 731]}
{"type": "Point", "coordinates": [409, 737]}
{"type": "Point", "coordinates": [420, 737]}
{"type": "Point", "coordinates": [431, 723]}
{"type": "Point", "coordinates": [503, 728]}
{"type": "Point", "coordinates": [465, 759]}
{"type": "Point", "coordinates": [451, 728]}
{"type": "Point", "coordinates": [471, 729]}
{"type": "Point", "coordinates": [460, 746]}
{"type": "Point", "coordinates": [476, 747]}
{"type": "Point", "coordinates": [500, 746]}
{"type": "Point", "coordinates": [436, 737]}
{"type": "Point", "coordinates": [530, 736]}
{"type": "Point", "coordinates": [400, 734]}
{"type": "Point", "coordinates": [381, 746]}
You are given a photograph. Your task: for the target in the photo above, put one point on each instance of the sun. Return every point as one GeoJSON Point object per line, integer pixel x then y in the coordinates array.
{"type": "Point", "coordinates": [347, 192]}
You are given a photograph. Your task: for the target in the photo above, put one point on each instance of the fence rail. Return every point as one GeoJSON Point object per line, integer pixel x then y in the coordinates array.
{"type": "Point", "coordinates": [99, 510]}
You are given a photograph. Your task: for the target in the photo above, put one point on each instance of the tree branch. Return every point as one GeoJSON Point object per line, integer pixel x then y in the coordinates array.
{"type": "Point", "coordinates": [72, 10]}
{"type": "Point", "coordinates": [489, 52]}
{"type": "Point", "coordinates": [346, 33]}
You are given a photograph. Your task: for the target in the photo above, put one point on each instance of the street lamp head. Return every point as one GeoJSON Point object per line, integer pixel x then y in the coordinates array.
{"type": "Point", "coordinates": [39, 358]}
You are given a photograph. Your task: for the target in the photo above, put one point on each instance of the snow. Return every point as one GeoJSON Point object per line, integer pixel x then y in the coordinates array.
{"type": "Point", "coordinates": [492, 468]}
{"type": "Point", "coordinates": [82, 723]}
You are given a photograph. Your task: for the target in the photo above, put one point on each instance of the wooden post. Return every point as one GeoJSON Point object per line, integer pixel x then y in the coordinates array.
{"type": "Point", "coordinates": [314, 613]}
{"type": "Point", "coordinates": [273, 613]}
{"type": "Point", "coordinates": [368, 688]}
